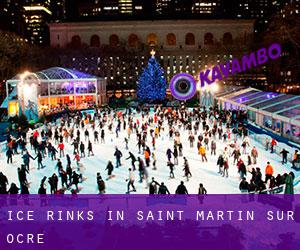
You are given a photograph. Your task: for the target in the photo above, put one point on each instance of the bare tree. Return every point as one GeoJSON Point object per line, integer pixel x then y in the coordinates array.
{"type": "Point", "coordinates": [13, 50]}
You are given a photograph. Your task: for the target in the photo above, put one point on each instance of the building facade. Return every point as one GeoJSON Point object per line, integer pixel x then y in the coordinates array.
{"type": "Point", "coordinates": [172, 34]}
{"type": "Point", "coordinates": [120, 50]}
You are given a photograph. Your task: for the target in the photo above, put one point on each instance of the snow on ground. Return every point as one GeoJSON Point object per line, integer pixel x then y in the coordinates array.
{"type": "Point", "coordinates": [205, 173]}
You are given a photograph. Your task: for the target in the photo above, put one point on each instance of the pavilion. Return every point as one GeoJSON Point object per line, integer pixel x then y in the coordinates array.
{"type": "Point", "coordinates": [53, 90]}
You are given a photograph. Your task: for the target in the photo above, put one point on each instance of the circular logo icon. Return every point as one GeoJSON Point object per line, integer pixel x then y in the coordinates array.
{"type": "Point", "coordinates": [183, 86]}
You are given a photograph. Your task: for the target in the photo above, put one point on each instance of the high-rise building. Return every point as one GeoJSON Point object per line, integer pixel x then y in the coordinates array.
{"type": "Point", "coordinates": [106, 8]}
{"type": "Point", "coordinates": [259, 10]}
{"type": "Point", "coordinates": [166, 9]}
{"type": "Point", "coordinates": [206, 7]}
{"type": "Point", "coordinates": [109, 7]}
{"type": "Point", "coordinates": [182, 46]}
{"type": "Point", "coordinates": [288, 72]}
{"type": "Point", "coordinates": [256, 9]}
{"type": "Point", "coordinates": [12, 16]}
{"type": "Point", "coordinates": [37, 14]}
{"type": "Point", "coordinates": [58, 9]}
{"type": "Point", "coordinates": [174, 7]}
{"type": "Point", "coordinates": [170, 9]}
{"type": "Point", "coordinates": [163, 6]}
{"type": "Point", "coordinates": [89, 8]}
{"type": "Point", "coordinates": [125, 6]}
{"type": "Point", "coordinates": [139, 7]}
{"type": "Point", "coordinates": [72, 10]}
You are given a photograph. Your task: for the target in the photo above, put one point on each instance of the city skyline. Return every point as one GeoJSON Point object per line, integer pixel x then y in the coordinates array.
{"type": "Point", "coordinates": [30, 18]}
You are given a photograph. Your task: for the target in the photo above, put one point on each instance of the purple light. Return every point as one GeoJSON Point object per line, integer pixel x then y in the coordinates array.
{"type": "Point", "coordinates": [82, 85]}
{"type": "Point", "coordinates": [66, 85]}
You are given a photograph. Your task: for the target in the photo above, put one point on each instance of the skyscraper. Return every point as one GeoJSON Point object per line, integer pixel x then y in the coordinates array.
{"type": "Point", "coordinates": [125, 6]}
{"type": "Point", "coordinates": [12, 16]}
{"type": "Point", "coordinates": [163, 6]}
{"type": "Point", "coordinates": [109, 7]}
{"type": "Point", "coordinates": [171, 7]}
{"type": "Point", "coordinates": [37, 14]}
{"type": "Point", "coordinates": [58, 9]}
{"type": "Point", "coordinates": [105, 8]}
{"type": "Point", "coordinates": [206, 7]}
{"type": "Point", "coordinates": [72, 9]}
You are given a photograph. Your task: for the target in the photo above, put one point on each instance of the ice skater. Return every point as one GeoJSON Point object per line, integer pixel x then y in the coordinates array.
{"type": "Point", "coordinates": [130, 181]}
{"type": "Point", "coordinates": [153, 187]}
{"type": "Point", "coordinates": [133, 160]}
{"type": "Point", "coordinates": [90, 149]}
{"type": "Point", "coordinates": [153, 161]}
{"type": "Point", "coordinates": [39, 158]}
{"type": "Point", "coordinates": [100, 184]}
{"type": "Point", "coordinates": [141, 169]}
{"type": "Point", "coordinates": [186, 169]}
{"type": "Point", "coordinates": [109, 169]}
{"type": "Point", "coordinates": [9, 154]}
{"type": "Point", "coordinates": [163, 189]}
{"type": "Point", "coordinates": [181, 189]}
{"type": "Point", "coordinates": [171, 167]}
{"type": "Point", "coordinates": [118, 155]}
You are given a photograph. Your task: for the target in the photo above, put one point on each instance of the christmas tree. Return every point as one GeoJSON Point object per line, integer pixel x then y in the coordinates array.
{"type": "Point", "coordinates": [152, 83]}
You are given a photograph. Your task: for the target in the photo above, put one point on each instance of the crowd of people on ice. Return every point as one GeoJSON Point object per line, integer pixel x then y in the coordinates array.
{"type": "Point", "coordinates": [206, 129]}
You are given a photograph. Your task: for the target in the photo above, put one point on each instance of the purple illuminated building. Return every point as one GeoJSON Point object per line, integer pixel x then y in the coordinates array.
{"type": "Point", "coordinates": [57, 89]}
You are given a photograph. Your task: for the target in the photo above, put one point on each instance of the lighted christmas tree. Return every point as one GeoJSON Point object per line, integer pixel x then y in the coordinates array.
{"type": "Point", "coordinates": [152, 82]}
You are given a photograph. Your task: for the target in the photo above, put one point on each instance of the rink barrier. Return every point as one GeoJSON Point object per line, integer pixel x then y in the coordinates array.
{"type": "Point", "coordinates": [3, 147]}
{"type": "Point", "coordinates": [252, 127]}
{"type": "Point", "coordinates": [261, 138]}
{"type": "Point", "coordinates": [277, 190]}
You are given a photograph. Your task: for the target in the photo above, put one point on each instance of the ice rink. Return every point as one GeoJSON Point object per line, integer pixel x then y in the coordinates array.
{"type": "Point", "coordinates": [206, 173]}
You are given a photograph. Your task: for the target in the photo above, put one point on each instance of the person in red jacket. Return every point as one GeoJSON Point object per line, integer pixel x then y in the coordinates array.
{"type": "Point", "coordinates": [61, 148]}
{"type": "Point", "coordinates": [273, 144]}
{"type": "Point", "coordinates": [35, 134]}
{"type": "Point", "coordinates": [77, 158]}
{"type": "Point", "coordinates": [295, 158]}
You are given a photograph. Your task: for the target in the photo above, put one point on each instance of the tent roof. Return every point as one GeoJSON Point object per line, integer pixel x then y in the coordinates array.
{"type": "Point", "coordinates": [284, 105]}
{"type": "Point", "coordinates": [58, 73]}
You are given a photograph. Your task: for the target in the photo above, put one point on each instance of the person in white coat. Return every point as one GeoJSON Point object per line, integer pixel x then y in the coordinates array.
{"type": "Point", "coordinates": [130, 181]}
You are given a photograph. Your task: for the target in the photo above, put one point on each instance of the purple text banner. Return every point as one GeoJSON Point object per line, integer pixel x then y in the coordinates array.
{"type": "Point", "coordinates": [88, 222]}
